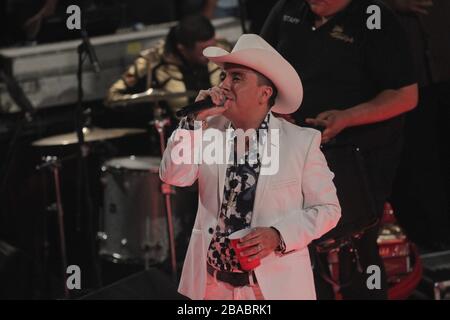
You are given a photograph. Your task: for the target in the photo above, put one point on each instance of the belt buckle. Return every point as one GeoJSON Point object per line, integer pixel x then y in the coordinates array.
{"type": "Point", "coordinates": [238, 280]}
{"type": "Point", "coordinates": [250, 280]}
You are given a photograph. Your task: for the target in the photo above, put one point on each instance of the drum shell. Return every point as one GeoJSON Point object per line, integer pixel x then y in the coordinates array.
{"type": "Point", "coordinates": [134, 214]}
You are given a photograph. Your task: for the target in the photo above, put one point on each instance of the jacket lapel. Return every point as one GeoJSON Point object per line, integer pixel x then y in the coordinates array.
{"type": "Point", "coordinates": [263, 180]}
{"type": "Point", "coordinates": [222, 167]}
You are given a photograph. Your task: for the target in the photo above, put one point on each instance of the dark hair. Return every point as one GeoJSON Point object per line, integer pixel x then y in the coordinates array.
{"type": "Point", "coordinates": [264, 81]}
{"type": "Point", "coordinates": [188, 31]}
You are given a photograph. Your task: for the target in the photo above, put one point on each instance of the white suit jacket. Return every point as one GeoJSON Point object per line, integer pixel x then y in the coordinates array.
{"type": "Point", "coordinates": [299, 200]}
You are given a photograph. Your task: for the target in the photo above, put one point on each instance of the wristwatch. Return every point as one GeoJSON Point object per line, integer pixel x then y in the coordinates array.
{"type": "Point", "coordinates": [281, 248]}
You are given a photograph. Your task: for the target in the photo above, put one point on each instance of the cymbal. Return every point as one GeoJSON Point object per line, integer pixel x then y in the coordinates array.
{"type": "Point", "coordinates": [151, 95]}
{"type": "Point", "coordinates": [90, 135]}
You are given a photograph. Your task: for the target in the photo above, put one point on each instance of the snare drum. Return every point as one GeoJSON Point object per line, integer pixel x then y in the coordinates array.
{"type": "Point", "coordinates": [134, 216]}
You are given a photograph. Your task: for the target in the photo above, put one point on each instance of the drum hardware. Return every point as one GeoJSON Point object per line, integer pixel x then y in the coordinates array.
{"type": "Point", "coordinates": [150, 95]}
{"type": "Point", "coordinates": [90, 135]}
{"type": "Point", "coordinates": [138, 236]}
{"type": "Point", "coordinates": [85, 49]}
{"type": "Point", "coordinates": [148, 248]}
{"type": "Point", "coordinates": [160, 123]}
{"type": "Point", "coordinates": [134, 227]}
{"type": "Point", "coordinates": [102, 236]}
{"type": "Point", "coordinates": [146, 245]}
{"type": "Point", "coordinates": [167, 196]}
{"type": "Point", "coordinates": [54, 164]}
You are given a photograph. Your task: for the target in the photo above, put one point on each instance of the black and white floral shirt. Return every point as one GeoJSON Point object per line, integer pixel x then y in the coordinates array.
{"type": "Point", "coordinates": [237, 206]}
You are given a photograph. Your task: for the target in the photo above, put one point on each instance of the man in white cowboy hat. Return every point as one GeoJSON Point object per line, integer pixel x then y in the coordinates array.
{"type": "Point", "coordinates": [285, 209]}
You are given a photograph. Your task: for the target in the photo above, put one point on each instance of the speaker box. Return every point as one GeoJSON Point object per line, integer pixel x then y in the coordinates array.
{"type": "Point", "coordinates": [151, 284]}
{"type": "Point", "coordinates": [435, 283]}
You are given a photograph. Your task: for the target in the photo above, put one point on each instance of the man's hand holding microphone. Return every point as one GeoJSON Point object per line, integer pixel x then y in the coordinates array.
{"type": "Point", "coordinates": [208, 103]}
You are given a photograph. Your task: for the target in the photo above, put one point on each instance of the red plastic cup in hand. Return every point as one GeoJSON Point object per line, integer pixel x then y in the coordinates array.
{"type": "Point", "coordinates": [245, 264]}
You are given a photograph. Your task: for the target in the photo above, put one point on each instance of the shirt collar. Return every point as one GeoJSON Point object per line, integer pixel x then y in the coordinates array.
{"type": "Point", "coordinates": [263, 126]}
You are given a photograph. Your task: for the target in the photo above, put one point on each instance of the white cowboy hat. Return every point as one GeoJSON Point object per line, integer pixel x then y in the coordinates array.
{"type": "Point", "coordinates": [254, 52]}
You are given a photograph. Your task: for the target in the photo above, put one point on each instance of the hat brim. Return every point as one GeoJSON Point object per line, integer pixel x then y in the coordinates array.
{"type": "Point", "coordinates": [270, 64]}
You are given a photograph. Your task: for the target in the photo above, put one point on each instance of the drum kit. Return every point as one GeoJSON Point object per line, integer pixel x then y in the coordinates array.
{"type": "Point", "coordinates": [151, 95]}
{"type": "Point", "coordinates": [137, 224]}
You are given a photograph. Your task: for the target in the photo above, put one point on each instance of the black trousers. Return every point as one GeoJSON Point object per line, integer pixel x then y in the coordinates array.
{"type": "Point", "coordinates": [354, 259]}
{"type": "Point", "coordinates": [419, 197]}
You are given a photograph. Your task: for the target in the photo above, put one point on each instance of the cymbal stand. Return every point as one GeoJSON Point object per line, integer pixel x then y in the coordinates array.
{"type": "Point", "coordinates": [160, 123]}
{"type": "Point", "coordinates": [54, 164]}
{"type": "Point", "coordinates": [84, 197]}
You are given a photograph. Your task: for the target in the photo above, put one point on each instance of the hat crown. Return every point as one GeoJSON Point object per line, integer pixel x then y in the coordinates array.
{"type": "Point", "coordinates": [252, 41]}
{"type": "Point", "coordinates": [254, 52]}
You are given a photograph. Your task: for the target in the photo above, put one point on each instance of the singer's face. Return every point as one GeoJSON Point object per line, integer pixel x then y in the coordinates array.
{"type": "Point", "coordinates": [246, 97]}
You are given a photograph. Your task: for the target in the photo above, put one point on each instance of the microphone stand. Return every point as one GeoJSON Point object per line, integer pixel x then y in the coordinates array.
{"type": "Point", "coordinates": [28, 111]}
{"type": "Point", "coordinates": [243, 15]}
{"type": "Point", "coordinates": [83, 175]}
{"type": "Point", "coordinates": [19, 97]}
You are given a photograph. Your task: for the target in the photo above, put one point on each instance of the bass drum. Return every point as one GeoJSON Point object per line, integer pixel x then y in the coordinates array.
{"type": "Point", "coordinates": [134, 212]}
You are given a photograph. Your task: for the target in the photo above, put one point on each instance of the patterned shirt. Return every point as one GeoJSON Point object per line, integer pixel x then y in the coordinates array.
{"type": "Point", "coordinates": [238, 199]}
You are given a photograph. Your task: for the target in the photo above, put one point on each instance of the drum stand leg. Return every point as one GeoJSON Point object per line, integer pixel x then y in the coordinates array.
{"type": "Point", "coordinates": [147, 246]}
{"type": "Point", "coordinates": [167, 191]}
{"type": "Point", "coordinates": [54, 164]}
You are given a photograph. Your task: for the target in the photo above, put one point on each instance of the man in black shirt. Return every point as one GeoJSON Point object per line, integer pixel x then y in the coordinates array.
{"type": "Point", "coordinates": [358, 82]}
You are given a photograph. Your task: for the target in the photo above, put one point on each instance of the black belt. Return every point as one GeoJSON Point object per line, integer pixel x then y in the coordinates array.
{"type": "Point", "coordinates": [236, 279]}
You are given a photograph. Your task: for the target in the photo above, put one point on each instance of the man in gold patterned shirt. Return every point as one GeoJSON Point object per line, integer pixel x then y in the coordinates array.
{"type": "Point", "coordinates": [175, 64]}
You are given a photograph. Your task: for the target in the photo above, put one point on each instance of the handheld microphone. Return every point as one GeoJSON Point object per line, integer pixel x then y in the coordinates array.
{"type": "Point", "coordinates": [197, 106]}
{"type": "Point", "coordinates": [90, 51]}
